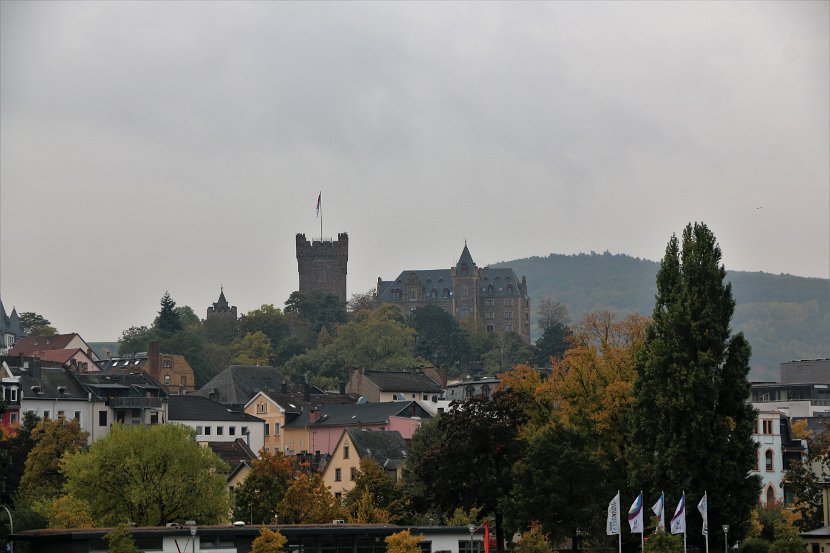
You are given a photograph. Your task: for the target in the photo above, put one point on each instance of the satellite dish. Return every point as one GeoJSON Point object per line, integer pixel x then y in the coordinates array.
{"type": "Point", "coordinates": [361, 400]}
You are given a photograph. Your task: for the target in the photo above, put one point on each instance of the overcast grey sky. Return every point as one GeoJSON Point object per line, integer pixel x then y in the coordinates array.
{"type": "Point", "coordinates": [177, 146]}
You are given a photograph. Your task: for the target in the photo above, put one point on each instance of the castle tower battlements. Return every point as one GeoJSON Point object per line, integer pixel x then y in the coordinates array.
{"type": "Point", "coordinates": [322, 264]}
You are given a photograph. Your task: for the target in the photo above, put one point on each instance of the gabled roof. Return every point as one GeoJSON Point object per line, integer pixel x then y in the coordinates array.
{"type": "Point", "coordinates": [237, 384]}
{"type": "Point", "coordinates": [196, 408]}
{"type": "Point", "coordinates": [58, 355]}
{"type": "Point", "coordinates": [358, 414]}
{"type": "Point", "coordinates": [233, 453]}
{"type": "Point", "coordinates": [30, 344]}
{"type": "Point", "coordinates": [386, 448]}
{"type": "Point", "coordinates": [402, 381]}
{"type": "Point", "coordinates": [53, 383]}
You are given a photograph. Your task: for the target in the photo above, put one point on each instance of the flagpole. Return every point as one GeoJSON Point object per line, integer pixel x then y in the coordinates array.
{"type": "Point", "coordinates": [321, 215]}
{"type": "Point", "coordinates": [619, 523]}
{"type": "Point", "coordinates": [663, 509]}
{"type": "Point", "coordinates": [706, 521]}
{"type": "Point", "coordinates": [642, 525]}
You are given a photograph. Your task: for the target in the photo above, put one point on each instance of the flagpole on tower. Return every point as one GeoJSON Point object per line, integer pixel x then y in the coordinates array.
{"type": "Point", "coordinates": [320, 213]}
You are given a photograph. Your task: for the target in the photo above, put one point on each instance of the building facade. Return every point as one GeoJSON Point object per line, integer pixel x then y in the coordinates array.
{"type": "Point", "coordinates": [496, 299]}
{"type": "Point", "coordinates": [10, 329]}
{"type": "Point", "coordinates": [776, 448]}
{"type": "Point", "coordinates": [322, 264]}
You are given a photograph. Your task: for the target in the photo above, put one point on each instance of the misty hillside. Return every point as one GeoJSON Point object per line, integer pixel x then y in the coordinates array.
{"type": "Point", "coordinates": [784, 317]}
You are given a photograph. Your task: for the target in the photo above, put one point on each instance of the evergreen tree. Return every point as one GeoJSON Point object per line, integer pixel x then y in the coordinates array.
{"type": "Point", "coordinates": [552, 343]}
{"type": "Point", "coordinates": [168, 319]}
{"type": "Point", "coordinates": [693, 422]}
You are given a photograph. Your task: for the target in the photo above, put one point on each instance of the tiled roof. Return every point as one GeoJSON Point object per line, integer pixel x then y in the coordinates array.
{"type": "Point", "coordinates": [402, 381]}
{"type": "Point", "coordinates": [357, 414]}
{"type": "Point", "coordinates": [237, 384]}
{"type": "Point", "coordinates": [387, 448]}
{"type": "Point", "coordinates": [196, 408]}
{"type": "Point", "coordinates": [53, 383]}
{"type": "Point", "coordinates": [136, 382]}
{"type": "Point", "coordinates": [57, 355]}
{"type": "Point", "coordinates": [234, 452]}
{"type": "Point", "coordinates": [294, 402]}
{"type": "Point", "coordinates": [30, 344]}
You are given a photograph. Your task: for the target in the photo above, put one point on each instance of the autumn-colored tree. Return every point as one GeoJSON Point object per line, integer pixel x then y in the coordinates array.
{"type": "Point", "coordinates": [534, 540]}
{"type": "Point", "coordinates": [268, 541]}
{"type": "Point", "coordinates": [364, 510]}
{"type": "Point", "coordinates": [121, 541]}
{"type": "Point", "coordinates": [70, 512]}
{"type": "Point", "coordinates": [257, 498]}
{"type": "Point", "coordinates": [384, 494]}
{"type": "Point", "coordinates": [403, 542]}
{"type": "Point", "coordinates": [308, 501]}
{"type": "Point", "coordinates": [804, 477]}
{"type": "Point", "coordinates": [53, 438]}
{"type": "Point", "coordinates": [252, 349]}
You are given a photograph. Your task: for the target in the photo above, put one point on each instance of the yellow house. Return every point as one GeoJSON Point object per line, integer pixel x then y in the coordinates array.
{"type": "Point", "coordinates": [265, 407]}
{"type": "Point", "coordinates": [818, 541]}
{"type": "Point", "coordinates": [386, 448]}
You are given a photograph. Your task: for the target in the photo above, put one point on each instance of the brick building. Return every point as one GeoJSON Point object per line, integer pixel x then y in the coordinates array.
{"type": "Point", "coordinates": [322, 264]}
{"type": "Point", "coordinates": [494, 298]}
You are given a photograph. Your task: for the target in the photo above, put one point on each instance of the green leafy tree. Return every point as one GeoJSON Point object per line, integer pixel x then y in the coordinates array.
{"type": "Point", "coordinates": [308, 501]}
{"type": "Point", "coordinates": [33, 324]}
{"type": "Point", "coordinates": [69, 512]}
{"type": "Point", "coordinates": [663, 542]}
{"type": "Point", "coordinates": [373, 482]}
{"type": "Point", "coordinates": [135, 339]}
{"type": "Point", "coordinates": [361, 304]}
{"type": "Point", "coordinates": [168, 319]}
{"type": "Point", "coordinates": [256, 500]}
{"type": "Point", "coordinates": [439, 337]}
{"type": "Point", "coordinates": [551, 313]}
{"type": "Point", "coordinates": [693, 421]}
{"type": "Point", "coordinates": [15, 448]}
{"type": "Point", "coordinates": [252, 349]}
{"type": "Point", "coordinates": [481, 438]}
{"type": "Point", "coordinates": [268, 541]}
{"type": "Point", "coordinates": [269, 320]}
{"type": "Point", "coordinates": [121, 541]}
{"type": "Point", "coordinates": [786, 540]}
{"type": "Point", "coordinates": [150, 475]}
{"type": "Point", "coordinates": [317, 309]}
{"type": "Point", "coordinates": [187, 317]}
{"type": "Point", "coordinates": [53, 438]}
{"type": "Point", "coordinates": [508, 351]}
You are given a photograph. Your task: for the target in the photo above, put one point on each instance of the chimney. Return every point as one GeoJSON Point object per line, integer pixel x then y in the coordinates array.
{"type": "Point", "coordinates": [153, 362]}
{"type": "Point", "coordinates": [313, 415]}
{"type": "Point", "coordinates": [442, 373]}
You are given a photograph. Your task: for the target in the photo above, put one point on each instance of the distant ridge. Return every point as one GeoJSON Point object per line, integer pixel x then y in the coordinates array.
{"type": "Point", "coordinates": [784, 317]}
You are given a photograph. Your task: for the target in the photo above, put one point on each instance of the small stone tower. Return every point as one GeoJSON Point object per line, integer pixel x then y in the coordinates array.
{"type": "Point", "coordinates": [322, 264]}
{"type": "Point", "coordinates": [221, 307]}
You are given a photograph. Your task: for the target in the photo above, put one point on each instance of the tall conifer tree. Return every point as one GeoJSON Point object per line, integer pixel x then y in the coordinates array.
{"type": "Point", "coordinates": [168, 319]}
{"type": "Point", "coordinates": [693, 422]}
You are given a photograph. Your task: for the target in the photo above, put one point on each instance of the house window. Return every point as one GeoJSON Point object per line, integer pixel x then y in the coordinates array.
{"type": "Point", "coordinates": [13, 392]}
{"type": "Point", "coordinates": [338, 475]}
{"type": "Point", "coordinates": [46, 414]}
{"type": "Point", "coordinates": [199, 430]}
{"type": "Point", "coordinates": [768, 465]}
{"type": "Point", "coordinates": [353, 474]}
{"type": "Point", "coordinates": [232, 430]}
{"type": "Point", "coordinates": [207, 431]}
{"type": "Point", "coordinates": [276, 429]}
{"type": "Point", "coordinates": [508, 302]}
{"type": "Point", "coordinates": [267, 429]}
{"type": "Point", "coordinates": [345, 452]}
{"type": "Point", "coordinates": [167, 363]}
{"type": "Point", "coordinates": [78, 416]}
{"type": "Point", "coordinates": [261, 408]}
{"type": "Point", "coordinates": [508, 315]}
{"type": "Point", "coordinates": [220, 430]}
{"type": "Point", "coordinates": [102, 418]}
{"type": "Point", "coordinates": [184, 380]}
{"type": "Point", "coordinates": [464, 546]}
{"type": "Point", "coordinates": [154, 418]}
{"type": "Point", "coordinates": [413, 294]}
{"type": "Point", "coordinates": [166, 379]}
{"type": "Point", "coordinates": [767, 427]}
{"type": "Point", "coordinates": [244, 430]}
{"type": "Point", "coordinates": [61, 414]}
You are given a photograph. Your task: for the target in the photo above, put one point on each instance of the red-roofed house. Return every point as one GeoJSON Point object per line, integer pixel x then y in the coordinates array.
{"type": "Point", "coordinates": [28, 345]}
{"type": "Point", "coordinates": [70, 358]}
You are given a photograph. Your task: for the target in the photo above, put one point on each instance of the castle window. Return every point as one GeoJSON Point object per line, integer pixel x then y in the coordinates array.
{"type": "Point", "coordinates": [413, 294]}
{"type": "Point", "coordinates": [489, 315]}
{"type": "Point", "coordinates": [446, 292]}
{"type": "Point", "coordinates": [768, 464]}
{"type": "Point", "coordinates": [508, 315]}
{"type": "Point", "coordinates": [508, 302]}
{"type": "Point", "coordinates": [166, 379]}
{"type": "Point", "coordinates": [489, 302]}
{"type": "Point", "coordinates": [489, 328]}
{"type": "Point", "coordinates": [508, 328]}
{"type": "Point", "coordinates": [434, 293]}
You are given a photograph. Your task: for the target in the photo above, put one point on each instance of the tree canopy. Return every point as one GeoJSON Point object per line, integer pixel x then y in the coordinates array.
{"type": "Point", "coordinates": [150, 475]}
{"type": "Point", "coordinates": [168, 320]}
{"type": "Point", "coordinates": [256, 500]}
{"type": "Point", "coordinates": [33, 324]}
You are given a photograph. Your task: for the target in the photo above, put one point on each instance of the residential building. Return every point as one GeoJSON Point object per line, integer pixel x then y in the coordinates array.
{"type": "Point", "coordinates": [319, 429]}
{"type": "Point", "coordinates": [172, 371]}
{"type": "Point", "coordinates": [386, 448]}
{"type": "Point", "coordinates": [776, 448]}
{"type": "Point", "coordinates": [10, 329]}
{"type": "Point", "coordinates": [11, 390]}
{"type": "Point", "coordinates": [322, 264]}
{"type": "Point", "coordinates": [496, 299]}
{"type": "Point", "coordinates": [28, 346]}
{"type": "Point", "coordinates": [238, 456]}
{"type": "Point", "coordinates": [382, 386]}
{"type": "Point", "coordinates": [236, 385]}
{"type": "Point", "coordinates": [214, 422]}
{"type": "Point", "coordinates": [471, 387]}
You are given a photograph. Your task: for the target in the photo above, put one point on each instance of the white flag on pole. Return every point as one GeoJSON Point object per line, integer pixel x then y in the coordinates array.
{"type": "Point", "coordinates": [635, 515]}
{"type": "Point", "coordinates": [678, 521]}
{"type": "Point", "coordinates": [658, 509]}
{"type": "Point", "coordinates": [703, 507]}
{"type": "Point", "coordinates": [612, 525]}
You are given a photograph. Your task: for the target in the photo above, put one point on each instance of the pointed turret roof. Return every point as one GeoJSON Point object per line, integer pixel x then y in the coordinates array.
{"type": "Point", "coordinates": [14, 323]}
{"type": "Point", "coordinates": [221, 303]}
{"type": "Point", "coordinates": [465, 259]}
{"type": "Point", "coordinates": [4, 319]}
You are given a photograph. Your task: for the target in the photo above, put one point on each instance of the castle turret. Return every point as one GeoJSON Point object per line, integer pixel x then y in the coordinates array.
{"type": "Point", "coordinates": [322, 264]}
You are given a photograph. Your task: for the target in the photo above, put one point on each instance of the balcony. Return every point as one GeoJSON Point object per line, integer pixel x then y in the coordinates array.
{"type": "Point", "coordinates": [134, 403]}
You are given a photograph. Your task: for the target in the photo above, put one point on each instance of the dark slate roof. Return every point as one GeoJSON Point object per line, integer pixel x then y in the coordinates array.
{"type": "Point", "coordinates": [465, 259]}
{"type": "Point", "coordinates": [196, 408]}
{"type": "Point", "coordinates": [121, 383]}
{"type": "Point", "coordinates": [237, 384]}
{"type": "Point", "coordinates": [365, 413]}
{"type": "Point", "coordinates": [402, 381]}
{"type": "Point", "coordinates": [233, 453]}
{"type": "Point", "coordinates": [135, 362]}
{"type": "Point", "coordinates": [294, 402]}
{"type": "Point", "coordinates": [53, 383]}
{"type": "Point", "coordinates": [428, 279]}
{"type": "Point", "coordinates": [504, 283]}
{"type": "Point", "coordinates": [10, 324]}
{"type": "Point", "coordinates": [387, 448]}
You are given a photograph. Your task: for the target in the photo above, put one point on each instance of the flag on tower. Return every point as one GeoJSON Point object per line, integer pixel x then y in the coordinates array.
{"type": "Point", "coordinates": [703, 507]}
{"type": "Point", "coordinates": [612, 525]}
{"type": "Point", "coordinates": [658, 509]}
{"type": "Point", "coordinates": [635, 515]}
{"type": "Point", "coordinates": [319, 197]}
{"type": "Point", "coordinates": [678, 521]}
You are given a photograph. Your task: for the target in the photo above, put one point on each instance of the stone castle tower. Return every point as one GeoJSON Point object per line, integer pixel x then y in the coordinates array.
{"type": "Point", "coordinates": [322, 264]}
{"type": "Point", "coordinates": [221, 307]}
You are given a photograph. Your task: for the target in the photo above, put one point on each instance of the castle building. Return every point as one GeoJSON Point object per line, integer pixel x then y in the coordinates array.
{"type": "Point", "coordinates": [10, 329]}
{"type": "Point", "coordinates": [221, 307]}
{"type": "Point", "coordinates": [495, 298]}
{"type": "Point", "coordinates": [322, 264]}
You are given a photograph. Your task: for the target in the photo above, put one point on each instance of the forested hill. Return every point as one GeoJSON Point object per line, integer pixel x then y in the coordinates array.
{"type": "Point", "coordinates": [784, 317]}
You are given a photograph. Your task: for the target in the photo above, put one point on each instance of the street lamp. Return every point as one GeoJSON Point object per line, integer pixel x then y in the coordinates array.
{"type": "Point", "coordinates": [472, 529]}
{"type": "Point", "coordinates": [11, 529]}
{"type": "Point", "coordinates": [193, 537]}
{"type": "Point", "coordinates": [725, 540]}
